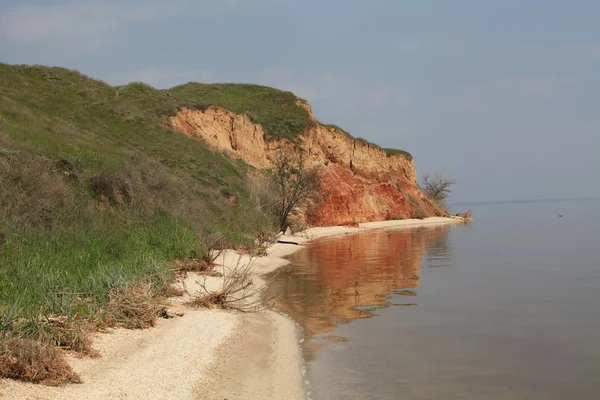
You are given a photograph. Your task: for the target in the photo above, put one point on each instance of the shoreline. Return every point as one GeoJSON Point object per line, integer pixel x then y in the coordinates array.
{"type": "Point", "coordinates": [205, 354]}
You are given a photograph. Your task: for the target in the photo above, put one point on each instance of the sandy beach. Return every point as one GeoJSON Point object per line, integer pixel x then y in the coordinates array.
{"type": "Point", "coordinates": [203, 354]}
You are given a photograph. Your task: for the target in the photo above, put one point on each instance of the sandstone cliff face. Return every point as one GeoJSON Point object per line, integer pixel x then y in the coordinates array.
{"type": "Point", "coordinates": [225, 131]}
{"type": "Point", "coordinates": [359, 182]}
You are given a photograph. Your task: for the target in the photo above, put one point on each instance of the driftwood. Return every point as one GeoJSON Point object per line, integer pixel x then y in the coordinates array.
{"type": "Point", "coordinates": [464, 216]}
{"type": "Point", "coordinates": [287, 242]}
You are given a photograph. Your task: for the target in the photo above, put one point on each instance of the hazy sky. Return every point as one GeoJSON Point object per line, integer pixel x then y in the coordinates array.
{"type": "Point", "coordinates": [502, 95]}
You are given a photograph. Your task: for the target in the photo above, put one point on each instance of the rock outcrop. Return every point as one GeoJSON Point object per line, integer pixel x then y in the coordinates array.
{"type": "Point", "coordinates": [359, 181]}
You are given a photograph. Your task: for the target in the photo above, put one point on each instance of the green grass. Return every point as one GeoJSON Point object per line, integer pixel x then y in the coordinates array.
{"type": "Point", "coordinates": [278, 112]}
{"type": "Point", "coordinates": [396, 152]}
{"type": "Point", "coordinates": [365, 141]}
{"type": "Point", "coordinates": [96, 191]}
{"type": "Point", "coordinates": [90, 258]}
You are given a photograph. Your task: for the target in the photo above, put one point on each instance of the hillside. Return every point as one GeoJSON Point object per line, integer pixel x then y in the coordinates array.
{"type": "Point", "coordinates": [96, 189]}
{"type": "Point", "coordinates": [99, 187]}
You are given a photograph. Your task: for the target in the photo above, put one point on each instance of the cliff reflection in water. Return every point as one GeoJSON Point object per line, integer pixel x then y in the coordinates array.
{"type": "Point", "coordinates": [336, 280]}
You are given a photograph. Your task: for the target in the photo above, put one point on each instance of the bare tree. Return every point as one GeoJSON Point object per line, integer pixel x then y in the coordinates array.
{"type": "Point", "coordinates": [295, 183]}
{"type": "Point", "coordinates": [436, 187]}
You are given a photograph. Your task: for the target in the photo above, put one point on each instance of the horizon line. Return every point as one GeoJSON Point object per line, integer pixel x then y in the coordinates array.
{"type": "Point", "coordinates": [542, 200]}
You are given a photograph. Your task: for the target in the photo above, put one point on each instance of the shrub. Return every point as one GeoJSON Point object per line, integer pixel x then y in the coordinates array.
{"type": "Point", "coordinates": [33, 361]}
{"type": "Point", "coordinates": [295, 184]}
{"type": "Point", "coordinates": [135, 305]}
{"type": "Point", "coordinates": [237, 292]}
{"type": "Point", "coordinates": [57, 330]}
{"type": "Point", "coordinates": [113, 186]}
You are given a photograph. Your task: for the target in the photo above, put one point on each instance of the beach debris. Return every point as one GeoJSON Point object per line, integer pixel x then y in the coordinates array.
{"type": "Point", "coordinates": [287, 242]}
{"type": "Point", "coordinates": [238, 291]}
{"type": "Point", "coordinates": [466, 217]}
{"type": "Point", "coordinates": [33, 361]}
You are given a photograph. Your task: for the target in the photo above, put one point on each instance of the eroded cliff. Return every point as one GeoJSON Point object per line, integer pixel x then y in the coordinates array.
{"type": "Point", "coordinates": [360, 182]}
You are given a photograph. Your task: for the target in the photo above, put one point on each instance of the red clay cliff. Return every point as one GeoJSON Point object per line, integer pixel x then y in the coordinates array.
{"type": "Point", "coordinates": [359, 181]}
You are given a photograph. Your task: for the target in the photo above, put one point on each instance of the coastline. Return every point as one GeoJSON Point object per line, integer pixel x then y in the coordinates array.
{"type": "Point", "coordinates": [204, 354]}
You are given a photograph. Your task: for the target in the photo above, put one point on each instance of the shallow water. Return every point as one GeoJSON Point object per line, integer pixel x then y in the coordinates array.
{"type": "Point", "coordinates": [505, 308]}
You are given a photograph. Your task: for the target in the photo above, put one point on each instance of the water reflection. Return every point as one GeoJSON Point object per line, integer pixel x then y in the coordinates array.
{"type": "Point", "coordinates": [334, 281]}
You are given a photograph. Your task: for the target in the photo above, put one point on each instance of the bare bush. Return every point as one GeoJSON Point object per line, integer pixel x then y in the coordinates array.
{"type": "Point", "coordinates": [211, 246]}
{"type": "Point", "coordinates": [134, 306]}
{"type": "Point", "coordinates": [33, 361]}
{"type": "Point", "coordinates": [465, 216]}
{"type": "Point", "coordinates": [31, 194]}
{"type": "Point", "coordinates": [295, 184]}
{"type": "Point", "coordinates": [60, 331]}
{"type": "Point", "coordinates": [115, 187]}
{"type": "Point", "coordinates": [193, 265]}
{"type": "Point", "coordinates": [237, 292]}
{"type": "Point", "coordinates": [436, 187]}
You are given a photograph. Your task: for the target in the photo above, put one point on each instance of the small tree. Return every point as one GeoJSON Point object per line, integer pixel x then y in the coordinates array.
{"type": "Point", "coordinates": [437, 187]}
{"type": "Point", "coordinates": [295, 183]}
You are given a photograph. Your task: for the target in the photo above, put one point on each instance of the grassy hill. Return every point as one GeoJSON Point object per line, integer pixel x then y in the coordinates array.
{"type": "Point", "coordinates": [97, 191]}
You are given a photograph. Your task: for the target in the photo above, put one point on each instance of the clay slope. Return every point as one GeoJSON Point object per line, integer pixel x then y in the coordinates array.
{"type": "Point", "coordinates": [360, 182]}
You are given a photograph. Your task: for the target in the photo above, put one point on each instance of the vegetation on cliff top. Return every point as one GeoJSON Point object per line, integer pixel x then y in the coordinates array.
{"type": "Point", "coordinates": [394, 152]}
{"type": "Point", "coordinates": [278, 112]}
{"type": "Point", "coordinates": [388, 151]}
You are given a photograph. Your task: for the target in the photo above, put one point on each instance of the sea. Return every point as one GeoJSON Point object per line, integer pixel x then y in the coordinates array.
{"type": "Point", "coordinates": [505, 307]}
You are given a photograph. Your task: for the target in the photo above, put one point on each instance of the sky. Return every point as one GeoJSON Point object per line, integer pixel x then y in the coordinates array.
{"type": "Point", "coordinates": [500, 95]}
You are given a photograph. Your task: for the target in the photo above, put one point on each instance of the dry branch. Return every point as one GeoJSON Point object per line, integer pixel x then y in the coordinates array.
{"type": "Point", "coordinates": [237, 292]}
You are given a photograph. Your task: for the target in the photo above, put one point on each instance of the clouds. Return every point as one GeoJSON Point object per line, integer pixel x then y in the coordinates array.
{"type": "Point", "coordinates": [586, 51]}
{"type": "Point", "coordinates": [518, 93]}
{"type": "Point", "coordinates": [434, 45]}
{"type": "Point", "coordinates": [449, 83]}
{"type": "Point", "coordinates": [82, 25]}
{"type": "Point", "coordinates": [343, 91]}
{"type": "Point", "coordinates": [88, 25]}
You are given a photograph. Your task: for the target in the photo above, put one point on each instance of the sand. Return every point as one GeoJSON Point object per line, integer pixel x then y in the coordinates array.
{"type": "Point", "coordinates": [164, 362]}
{"type": "Point", "coordinates": [204, 354]}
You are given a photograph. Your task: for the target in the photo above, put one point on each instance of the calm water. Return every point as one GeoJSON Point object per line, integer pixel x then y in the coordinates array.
{"type": "Point", "coordinates": [506, 308]}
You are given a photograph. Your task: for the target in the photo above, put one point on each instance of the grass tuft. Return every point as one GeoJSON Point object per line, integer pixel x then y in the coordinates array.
{"type": "Point", "coordinates": [134, 305]}
{"type": "Point", "coordinates": [395, 152]}
{"type": "Point", "coordinates": [34, 361]}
